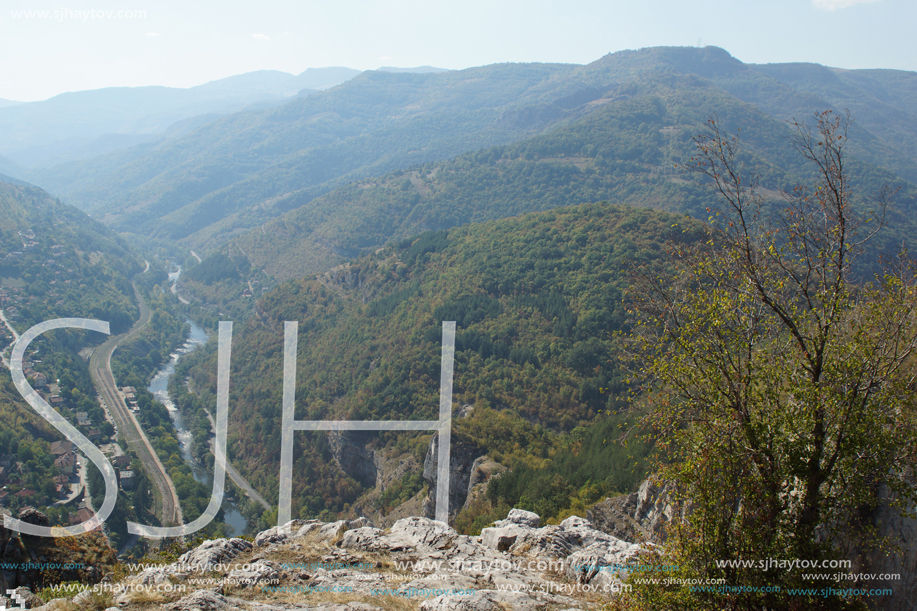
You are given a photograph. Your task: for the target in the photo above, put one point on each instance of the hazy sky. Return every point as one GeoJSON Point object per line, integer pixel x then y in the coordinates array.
{"type": "Point", "coordinates": [87, 44]}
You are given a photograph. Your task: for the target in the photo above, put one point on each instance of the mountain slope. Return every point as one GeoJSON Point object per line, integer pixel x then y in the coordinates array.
{"type": "Point", "coordinates": [61, 263]}
{"type": "Point", "coordinates": [55, 262]}
{"type": "Point", "coordinates": [376, 122]}
{"type": "Point", "coordinates": [537, 300]}
{"type": "Point", "coordinates": [238, 172]}
{"type": "Point", "coordinates": [69, 125]}
{"type": "Point", "coordinates": [625, 151]}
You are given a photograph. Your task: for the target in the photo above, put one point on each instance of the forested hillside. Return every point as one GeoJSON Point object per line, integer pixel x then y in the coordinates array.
{"type": "Point", "coordinates": [237, 173]}
{"type": "Point", "coordinates": [537, 301]}
{"type": "Point", "coordinates": [55, 262]}
{"type": "Point", "coordinates": [634, 149]}
{"type": "Point", "coordinates": [376, 122]}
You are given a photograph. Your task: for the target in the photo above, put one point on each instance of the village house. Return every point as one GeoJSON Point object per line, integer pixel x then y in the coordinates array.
{"type": "Point", "coordinates": [82, 515]}
{"type": "Point", "coordinates": [128, 481]}
{"type": "Point", "coordinates": [121, 462]}
{"type": "Point", "coordinates": [61, 447]}
{"type": "Point", "coordinates": [66, 463]}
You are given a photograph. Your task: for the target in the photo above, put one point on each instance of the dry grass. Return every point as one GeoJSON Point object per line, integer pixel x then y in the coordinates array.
{"type": "Point", "coordinates": [389, 603]}
{"type": "Point", "coordinates": [99, 601]}
{"type": "Point", "coordinates": [147, 596]}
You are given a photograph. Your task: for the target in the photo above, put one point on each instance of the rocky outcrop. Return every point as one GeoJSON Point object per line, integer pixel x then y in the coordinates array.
{"type": "Point", "coordinates": [482, 470]}
{"type": "Point", "coordinates": [639, 516]}
{"type": "Point", "coordinates": [352, 456]}
{"type": "Point", "coordinates": [463, 455]}
{"type": "Point", "coordinates": [615, 516]}
{"type": "Point", "coordinates": [417, 564]}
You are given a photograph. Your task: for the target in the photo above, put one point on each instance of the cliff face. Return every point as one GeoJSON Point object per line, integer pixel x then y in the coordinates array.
{"type": "Point", "coordinates": [353, 457]}
{"type": "Point", "coordinates": [462, 456]}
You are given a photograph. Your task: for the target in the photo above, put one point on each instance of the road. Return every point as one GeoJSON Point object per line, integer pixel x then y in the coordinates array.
{"type": "Point", "coordinates": [129, 429]}
{"type": "Point", "coordinates": [6, 362]}
{"type": "Point", "coordinates": [175, 292]}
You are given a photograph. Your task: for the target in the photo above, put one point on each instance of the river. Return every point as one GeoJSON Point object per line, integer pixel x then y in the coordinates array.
{"type": "Point", "coordinates": [159, 387]}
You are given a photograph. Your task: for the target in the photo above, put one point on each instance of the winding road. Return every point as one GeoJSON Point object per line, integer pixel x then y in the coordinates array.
{"type": "Point", "coordinates": [6, 362]}
{"type": "Point", "coordinates": [129, 429]}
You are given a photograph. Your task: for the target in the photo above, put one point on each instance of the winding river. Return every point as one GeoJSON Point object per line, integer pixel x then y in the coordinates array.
{"type": "Point", "coordinates": [159, 387]}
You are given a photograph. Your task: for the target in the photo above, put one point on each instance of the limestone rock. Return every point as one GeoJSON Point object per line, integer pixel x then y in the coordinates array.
{"type": "Point", "coordinates": [255, 573]}
{"type": "Point", "coordinates": [360, 522]}
{"type": "Point", "coordinates": [366, 538]}
{"type": "Point", "coordinates": [83, 599]}
{"type": "Point", "coordinates": [494, 600]}
{"type": "Point", "coordinates": [500, 539]}
{"type": "Point", "coordinates": [351, 454]}
{"type": "Point", "coordinates": [421, 534]}
{"type": "Point", "coordinates": [215, 551]}
{"type": "Point", "coordinates": [202, 600]}
{"type": "Point", "coordinates": [30, 515]}
{"type": "Point", "coordinates": [277, 534]}
{"type": "Point", "coordinates": [654, 507]}
{"type": "Point", "coordinates": [23, 597]}
{"type": "Point", "coordinates": [462, 456]}
{"type": "Point", "coordinates": [332, 529]}
{"type": "Point", "coordinates": [615, 516]}
{"type": "Point", "coordinates": [523, 517]}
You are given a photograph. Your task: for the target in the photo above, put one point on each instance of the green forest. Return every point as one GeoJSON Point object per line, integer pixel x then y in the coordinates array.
{"type": "Point", "coordinates": [634, 149]}
{"type": "Point", "coordinates": [539, 305]}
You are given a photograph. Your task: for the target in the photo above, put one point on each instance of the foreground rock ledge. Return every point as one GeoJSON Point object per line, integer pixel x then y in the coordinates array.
{"type": "Point", "coordinates": [417, 564]}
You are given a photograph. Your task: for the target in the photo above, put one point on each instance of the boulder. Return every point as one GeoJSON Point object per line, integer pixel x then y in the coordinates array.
{"type": "Point", "coordinates": [366, 539]}
{"type": "Point", "coordinates": [202, 600]}
{"type": "Point", "coordinates": [255, 573]}
{"type": "Point", "coordinates": [523, 518]}
{"type": "Point", "coordinates": [500, 539]}
{"type": "Point", "coordinates": [23, 597]}
{"type": "Point", "coordinates": [215, 551]}
{"type": "Point", "coordinates": [421, 534]}
{"type": "Point", "coordinates": [30, 515]}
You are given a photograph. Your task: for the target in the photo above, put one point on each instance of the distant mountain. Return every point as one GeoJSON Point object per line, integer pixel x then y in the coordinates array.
{"type": "Point", "coordinates": [883, 102]}
{"type": "Point", "coordinates": [206, 185]}
{"type": "Point", "coordinates": [417, 70]}
{"type": "Point", "coordinates": [4, 103]}
{"type": "Point", "coordinates": [9, 167]}
{"type": "Point", "coordinates": [89, 123]}
{"type": "Point", "coordinates": [626, 151]}
{"type": "Point", "coordinates": [374, 123]}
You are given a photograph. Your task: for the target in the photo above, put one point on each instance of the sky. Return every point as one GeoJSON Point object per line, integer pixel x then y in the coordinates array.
{"type": "Point", "coordinates": [50, 47]}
